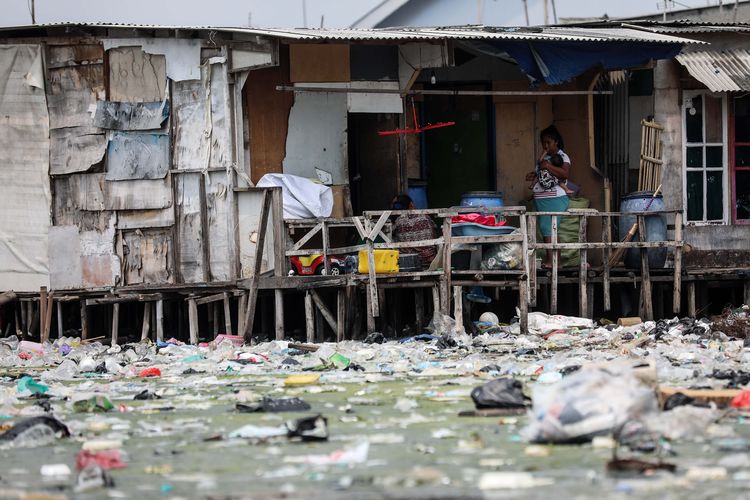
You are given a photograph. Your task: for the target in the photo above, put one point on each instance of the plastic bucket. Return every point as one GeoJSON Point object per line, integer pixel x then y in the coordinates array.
{"type": "Point", "coordinates": [656, 227]}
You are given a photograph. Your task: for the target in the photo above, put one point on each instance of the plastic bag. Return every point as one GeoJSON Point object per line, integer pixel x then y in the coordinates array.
{"type": "Point", "coordinates": [444, 326]}
{"type": "Point", "coordinates": [500, 393]}
{"type": "Point", "coordinates": [594, 401]}
{"type": "Point", "coordinates": [502, 256]}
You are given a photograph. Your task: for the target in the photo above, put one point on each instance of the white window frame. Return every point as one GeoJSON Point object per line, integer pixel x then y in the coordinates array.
{"type": "Point", "coordinates": [687, 96]}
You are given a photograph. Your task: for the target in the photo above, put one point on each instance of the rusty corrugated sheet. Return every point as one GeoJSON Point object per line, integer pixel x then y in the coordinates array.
{"type": "Point", "coordinates": [719, 70]}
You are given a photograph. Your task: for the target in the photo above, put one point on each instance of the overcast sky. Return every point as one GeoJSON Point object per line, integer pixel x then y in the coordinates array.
{"type": "Point", "coordinates": [289, 13]}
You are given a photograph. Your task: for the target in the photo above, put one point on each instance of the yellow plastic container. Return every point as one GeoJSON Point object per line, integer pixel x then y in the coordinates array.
{"type": "Point", "coordinates": [304, 379]}
{"type": "Point", "coordinates": [386, 261]}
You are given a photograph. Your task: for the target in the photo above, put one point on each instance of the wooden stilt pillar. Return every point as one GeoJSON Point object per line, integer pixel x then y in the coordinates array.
{"type": "Point", "coordinates": [340, 315]}
{"type": "Point", "coordinates": [241, 310]}
{"type": "Point", "coordinates": [146, 324]}
{"type": "Point", "coordinates": [583, 279]}
{"type": "Point", "coordinates": [458, 307]}
{"type": "Point", "coordinates": [691, 299]}
{"type": "Point", "coordinates": [115, 322]}
{"type": "Point", "coordinates": [523, 306]}
{"type": "Point", "coordinates": [60, 325]}
{"type": "Point", "coordinates": [227, 314]}
{"type": "Point", "coordinates": [160, 320]}
{"type": "Point", "coordinates": [193, 321]}
{"type": "Point", "coordinates": [370, 316]}
{"type": "Point", "coordinates": [279, 313]}
{"type": "Point", "coordinates": [309, 318]}
{"type": "Point", "coordinates": [555, 270]}
{"type": "Point", "coordinates": [419, 308]}
{"type": "Point", "coordinates": [677, 285]}
{"type": "Point", "coordinates": [42, 313]}
{"type": "Point", "coordinates": [435, 299]}
{"type": "Point", "coordinates": [84, 321]}
{"type": "Point", "coordinates": [647, 303]}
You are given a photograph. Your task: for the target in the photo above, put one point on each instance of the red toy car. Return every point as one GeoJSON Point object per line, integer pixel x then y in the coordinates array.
{"type": "Point", "coordinates": [305, 265]}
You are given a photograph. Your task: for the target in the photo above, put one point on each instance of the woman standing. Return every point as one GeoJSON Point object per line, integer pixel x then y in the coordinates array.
{"type": "Point", "coordinates": [549, 195]}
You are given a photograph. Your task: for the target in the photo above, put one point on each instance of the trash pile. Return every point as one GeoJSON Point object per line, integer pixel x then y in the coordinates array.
{"type": "Point", "coordinates": [574, 407]}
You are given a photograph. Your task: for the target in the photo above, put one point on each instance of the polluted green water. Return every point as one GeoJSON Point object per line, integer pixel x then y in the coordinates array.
{"type": "Point", "coordinates": [393, 429]}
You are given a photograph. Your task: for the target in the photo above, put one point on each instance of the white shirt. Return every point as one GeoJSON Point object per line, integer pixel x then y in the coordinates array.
{"type": "Point", "coordinates": [556, 190]}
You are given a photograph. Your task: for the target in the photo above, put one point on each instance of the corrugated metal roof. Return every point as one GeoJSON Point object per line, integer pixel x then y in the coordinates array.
{"type": "Point", "coordinates": [554, 33]}
{"type": "Point", "coordinates": [720, 71]}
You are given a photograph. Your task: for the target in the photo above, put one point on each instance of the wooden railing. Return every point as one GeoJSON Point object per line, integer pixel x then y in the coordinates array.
{"type": "Point", "coordinates": [374, 225]}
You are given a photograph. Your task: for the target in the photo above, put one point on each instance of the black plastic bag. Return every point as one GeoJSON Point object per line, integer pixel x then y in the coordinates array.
{"type": "Point", "coordinates": [500, 393]}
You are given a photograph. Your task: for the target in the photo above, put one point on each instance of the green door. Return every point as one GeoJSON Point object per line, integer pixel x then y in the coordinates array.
{"type": "Point", "coordinates": [457, 158]}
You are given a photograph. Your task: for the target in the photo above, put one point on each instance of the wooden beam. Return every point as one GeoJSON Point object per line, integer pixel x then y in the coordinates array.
{"type": "Point", "coordinates": [193, 321]}
{"type": "Point", "coordinates": [142, 297]}
{"type": "Point", "coordinates": [209, 298]}
{"type": "Point", "coordinates": [308, 236]}
{"type": "Point", "coordinates": [447, 265]}
{"type": "Point", "coordinates": [281, 264]}
{"type": "Point", "coordinates": [252, 294]}
{"type": "Point", "coordinates": [6, 297]}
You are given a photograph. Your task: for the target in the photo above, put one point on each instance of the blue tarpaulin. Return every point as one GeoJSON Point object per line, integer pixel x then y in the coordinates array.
{"type": "Point", "coordinates": [559, 62]}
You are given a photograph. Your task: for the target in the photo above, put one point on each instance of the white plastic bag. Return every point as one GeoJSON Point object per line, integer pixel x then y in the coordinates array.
{"type": "Point", "coordinates": [594, 401]}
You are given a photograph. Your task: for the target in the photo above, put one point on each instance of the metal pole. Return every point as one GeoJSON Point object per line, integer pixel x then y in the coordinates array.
{"type": "Point", "coordinates": [526, 11]}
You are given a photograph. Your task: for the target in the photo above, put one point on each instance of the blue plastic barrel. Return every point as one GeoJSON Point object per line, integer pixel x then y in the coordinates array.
{"type": "Point", "coordinates": [656, 227]}
{"type": "Point", "coordinates": [486, 199]}
{"type": "Point", "coordinates": [418, 194]}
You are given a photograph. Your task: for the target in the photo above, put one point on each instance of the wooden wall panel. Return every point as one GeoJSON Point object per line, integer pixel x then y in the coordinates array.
{"type": "Point", "coordinates": [267, 111]}
{"type": "Point", "coordinates": [319, 63]}
{"type": "Point", "coordinates": [516, 148]}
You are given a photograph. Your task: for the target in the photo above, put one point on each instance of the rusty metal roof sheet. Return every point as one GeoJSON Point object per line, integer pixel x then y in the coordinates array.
{"type": "Point", "coordinates": [719, 70]}
{"type": "Point", "coordinates": [477, 32]}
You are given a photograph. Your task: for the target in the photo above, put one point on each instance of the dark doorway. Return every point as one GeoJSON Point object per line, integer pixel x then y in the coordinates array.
{"type": "Point", "coordinates": [373, 160]}
{"type": "Point", "coordinates": [460, 158]}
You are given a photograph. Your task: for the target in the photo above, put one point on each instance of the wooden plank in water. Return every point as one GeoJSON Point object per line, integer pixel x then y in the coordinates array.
{"type": "Point", "coordinates": [493, 412]}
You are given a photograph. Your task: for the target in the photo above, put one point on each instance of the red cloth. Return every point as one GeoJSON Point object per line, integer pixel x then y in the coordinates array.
{"type": "Point", "coordinates": [106, 459]}
{"type": "Point", "coordinates": [476, 218]}
{"type": "Point", "coordinates": [741, 400]}
{"type": "Point", "coordinates": [150, 372]}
